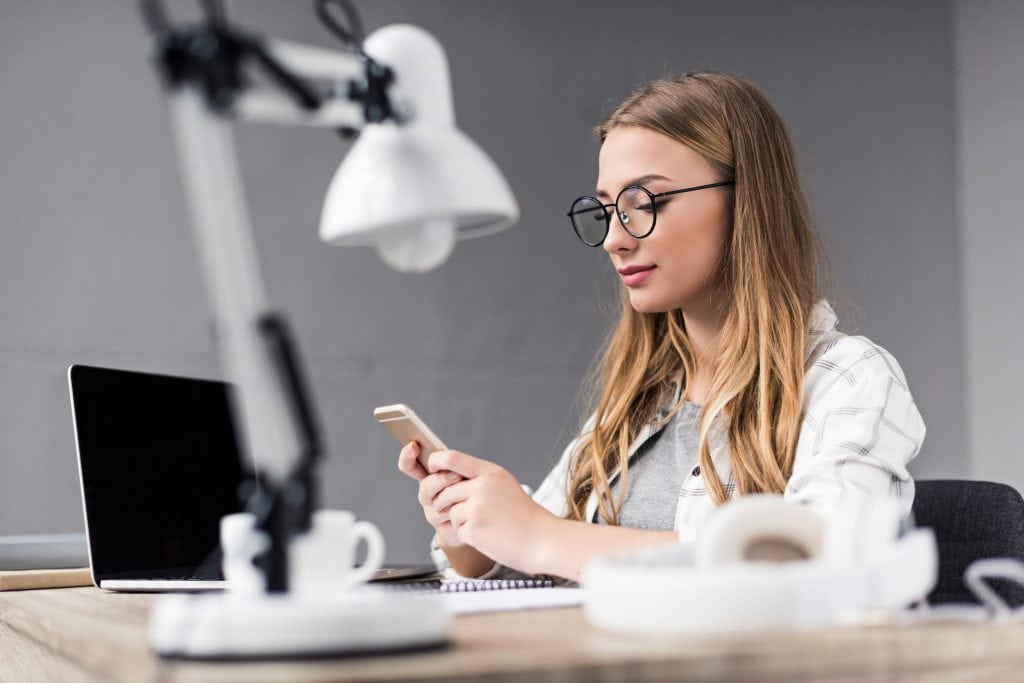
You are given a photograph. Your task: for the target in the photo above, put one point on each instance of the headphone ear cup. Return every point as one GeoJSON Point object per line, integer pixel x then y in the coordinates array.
{"type": "Point", "coordinates": [732, 585]}
{"type": "Point", "coordinates": [760, 528]}
{"type": "Point", "coordinates": [862, 526]}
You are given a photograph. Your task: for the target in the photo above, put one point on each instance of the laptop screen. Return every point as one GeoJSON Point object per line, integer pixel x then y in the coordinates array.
{"type": "Point", "coordinates": [160, 466]}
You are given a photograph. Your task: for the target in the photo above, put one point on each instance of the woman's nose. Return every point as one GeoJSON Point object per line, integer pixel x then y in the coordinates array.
{"type": "Point", "coordinates": [617, 239]}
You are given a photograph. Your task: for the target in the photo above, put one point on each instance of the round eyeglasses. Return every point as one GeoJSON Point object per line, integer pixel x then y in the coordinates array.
{"type": "Point", "coordinates": [636, 208]}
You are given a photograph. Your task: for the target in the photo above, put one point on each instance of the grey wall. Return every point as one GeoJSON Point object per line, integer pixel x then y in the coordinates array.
{"type": "Point", "coordinates": [990, 64]}
{"type": "Point", "coordinates": [96, 263]}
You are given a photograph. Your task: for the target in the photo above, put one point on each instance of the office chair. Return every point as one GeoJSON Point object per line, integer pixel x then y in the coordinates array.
{"type": "Point", "coordinates": [972, 520]}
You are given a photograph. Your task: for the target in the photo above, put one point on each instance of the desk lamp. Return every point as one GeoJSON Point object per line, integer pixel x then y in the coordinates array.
{"type": "Point", "coordinates": [411, 185]}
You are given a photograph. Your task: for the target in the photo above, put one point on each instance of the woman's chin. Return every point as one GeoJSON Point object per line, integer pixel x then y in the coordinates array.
{"type": "Point", "coordinates": [648, 302]}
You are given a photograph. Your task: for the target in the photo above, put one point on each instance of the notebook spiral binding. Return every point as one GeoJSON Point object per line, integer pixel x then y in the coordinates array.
{"type": "Point", "coordinates": [470, 585]}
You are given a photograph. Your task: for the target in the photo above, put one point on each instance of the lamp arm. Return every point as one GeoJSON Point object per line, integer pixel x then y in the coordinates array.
{"type": "Point", "coordinates": [271, 407]}
{"type": "Point", "coordinates": [204, 69]}
{"type": "Point", "coordinates": [344, 71]}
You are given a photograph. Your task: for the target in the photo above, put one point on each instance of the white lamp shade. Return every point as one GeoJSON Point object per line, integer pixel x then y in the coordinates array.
{"type": "Point", "coordinates": [402, 176]}
{"type": "Point", "coordinates": [412, 189]}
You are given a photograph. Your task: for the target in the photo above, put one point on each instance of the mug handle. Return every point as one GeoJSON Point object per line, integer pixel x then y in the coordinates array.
{"type": "Point", "coordinates": [368, 532]}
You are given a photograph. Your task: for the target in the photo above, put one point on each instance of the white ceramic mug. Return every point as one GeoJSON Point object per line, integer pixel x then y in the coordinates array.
{"type": "Point", "coordinates": [324, 558]}
{"type": "Point", "coordinates": [240, 542]}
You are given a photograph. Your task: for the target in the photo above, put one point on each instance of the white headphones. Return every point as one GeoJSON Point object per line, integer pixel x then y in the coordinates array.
{"type": "Point", "coordinates": [762, 563]}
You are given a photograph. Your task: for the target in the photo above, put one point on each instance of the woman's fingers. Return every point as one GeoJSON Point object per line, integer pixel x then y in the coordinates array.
{"type": "Point", "coordinates": [408, 464]}
{"type": "Point", "coordinates": [451, 495]}
{"type": "Point", "coordinates": [432, 484]}
{"type": "Point", "coordinates": [466, 465]}
{"type": "Point", "coordinates": [447, 535]}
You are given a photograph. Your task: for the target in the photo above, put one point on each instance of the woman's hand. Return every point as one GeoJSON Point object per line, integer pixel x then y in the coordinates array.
{"type": "Point", "coordinates": [482, 514]}
{"type": "Point", "coordinates": [485, 507]}
{"type": "Point", "coordinates": [430, 486]}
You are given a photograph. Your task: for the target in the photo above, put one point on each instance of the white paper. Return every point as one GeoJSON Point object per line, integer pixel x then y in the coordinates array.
{"type": "Point", "coordinates": [511, 599]}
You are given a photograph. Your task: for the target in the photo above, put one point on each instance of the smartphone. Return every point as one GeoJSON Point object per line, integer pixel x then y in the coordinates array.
{"type": "Point", "coordinates": [405, 425]}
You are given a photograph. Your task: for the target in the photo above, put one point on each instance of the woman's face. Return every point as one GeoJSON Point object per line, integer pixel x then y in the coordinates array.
{"type": "Point", "coordinates": [674, 266]}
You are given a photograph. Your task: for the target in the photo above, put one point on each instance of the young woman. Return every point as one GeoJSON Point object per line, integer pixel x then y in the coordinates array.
{"type": "Point", "coordinates": [725, 374]}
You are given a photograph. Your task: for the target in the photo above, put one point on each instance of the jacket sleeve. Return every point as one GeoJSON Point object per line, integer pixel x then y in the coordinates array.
{"type": "Point", "coordinates": [860, 429]}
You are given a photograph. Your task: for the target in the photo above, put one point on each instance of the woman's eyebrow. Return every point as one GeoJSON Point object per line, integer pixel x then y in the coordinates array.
{"type": "Point", "coordinates": [635, 181]}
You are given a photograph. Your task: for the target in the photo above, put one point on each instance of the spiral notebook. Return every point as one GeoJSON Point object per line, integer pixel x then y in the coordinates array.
{"type": "Point", "coordinates": [463, 596]}
{"type": "Point", "coordinates": [469, 585]}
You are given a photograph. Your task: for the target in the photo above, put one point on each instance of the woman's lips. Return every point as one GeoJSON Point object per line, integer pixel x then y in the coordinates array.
{"type": "Point", "coordinates": [635, 275]}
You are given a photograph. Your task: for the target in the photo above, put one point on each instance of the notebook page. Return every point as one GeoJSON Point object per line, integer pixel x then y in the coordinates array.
{"type": "Point", "coordinates": [511, 599]}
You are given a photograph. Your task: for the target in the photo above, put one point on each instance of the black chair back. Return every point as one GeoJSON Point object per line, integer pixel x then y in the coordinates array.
{"type": "Point", "coordinates": [972, 520]}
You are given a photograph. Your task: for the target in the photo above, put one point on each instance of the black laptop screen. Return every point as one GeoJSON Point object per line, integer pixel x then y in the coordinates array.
{"type": "Point", "coordinates": [160, 466]}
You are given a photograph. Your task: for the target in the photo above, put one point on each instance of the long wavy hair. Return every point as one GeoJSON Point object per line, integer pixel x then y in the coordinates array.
{"type": "Point", "coordinates": [766, 284]}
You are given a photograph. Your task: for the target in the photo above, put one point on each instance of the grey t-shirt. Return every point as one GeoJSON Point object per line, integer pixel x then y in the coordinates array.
{"type": "Point", "coordinates": [656, 473]}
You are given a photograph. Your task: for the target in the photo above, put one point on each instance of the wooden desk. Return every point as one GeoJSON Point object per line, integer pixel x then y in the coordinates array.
{"type": "Point", "coordinates": [84, 634]}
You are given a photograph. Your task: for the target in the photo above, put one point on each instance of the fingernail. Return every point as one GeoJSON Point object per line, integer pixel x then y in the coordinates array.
{"type": "Point", "coordinates": [452, 476]}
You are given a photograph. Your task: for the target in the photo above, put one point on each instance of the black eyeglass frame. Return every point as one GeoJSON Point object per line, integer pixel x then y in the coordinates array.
{"type": "Point", "coordinates": [654, 209]}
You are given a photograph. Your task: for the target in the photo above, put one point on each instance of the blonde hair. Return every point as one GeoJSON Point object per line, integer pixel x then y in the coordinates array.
{"type": "Point", "coordinates": [766, 283]}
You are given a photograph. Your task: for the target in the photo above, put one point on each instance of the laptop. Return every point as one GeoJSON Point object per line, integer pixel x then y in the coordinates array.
{"type": "Point", "coordinates": [159, 465]}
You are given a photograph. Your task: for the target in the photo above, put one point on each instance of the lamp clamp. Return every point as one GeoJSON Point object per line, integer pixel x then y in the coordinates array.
{"type": "Point", "coordinates": [372, 92]}
{"type": "Point", "coordinates": [213, 56]}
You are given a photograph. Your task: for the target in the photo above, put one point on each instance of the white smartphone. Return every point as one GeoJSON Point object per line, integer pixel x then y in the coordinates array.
{"type": "Point", "coordinates": [405, 425]}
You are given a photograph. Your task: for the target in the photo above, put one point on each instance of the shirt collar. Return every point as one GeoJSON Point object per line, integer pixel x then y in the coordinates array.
{"type": "Point", "coordinates": [823, 322]}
